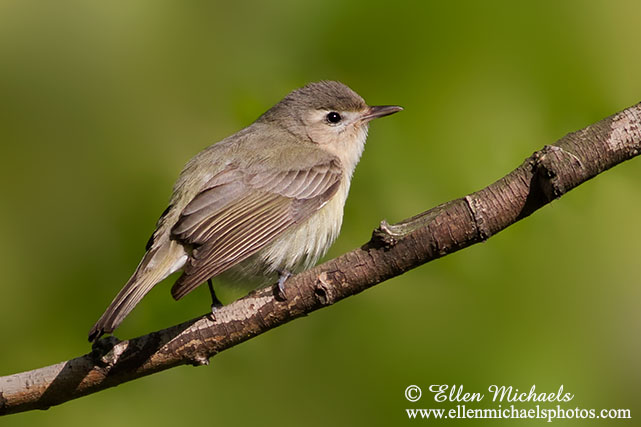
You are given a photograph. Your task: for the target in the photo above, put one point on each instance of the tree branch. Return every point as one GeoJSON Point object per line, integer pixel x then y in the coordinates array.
{"type": "Point", "coordinates": [393, 250]}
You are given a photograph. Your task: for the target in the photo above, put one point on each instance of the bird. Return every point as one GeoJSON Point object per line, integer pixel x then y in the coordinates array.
{"type": "Point", "coordinates": [259, 205]}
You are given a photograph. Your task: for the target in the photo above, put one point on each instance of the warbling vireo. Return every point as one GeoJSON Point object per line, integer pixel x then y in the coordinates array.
{"type": "Point", "coordinates": [260, 204]}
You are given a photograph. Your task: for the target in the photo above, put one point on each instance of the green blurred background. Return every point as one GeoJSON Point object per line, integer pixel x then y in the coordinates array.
{"type": "Point", "coordinates": [102, 103]}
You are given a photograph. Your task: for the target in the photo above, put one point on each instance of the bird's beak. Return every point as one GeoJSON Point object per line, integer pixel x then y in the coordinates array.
{"type": "Point", "coordinates": [380, 111]}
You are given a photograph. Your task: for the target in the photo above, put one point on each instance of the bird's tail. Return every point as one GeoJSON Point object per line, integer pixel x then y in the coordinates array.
{"type": "Point", "coordinates": [157, 264]}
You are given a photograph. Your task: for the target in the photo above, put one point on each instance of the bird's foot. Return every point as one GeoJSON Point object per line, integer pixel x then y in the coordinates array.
{"type": "Point", "coordinates": [280, 288]}
{"type": "Point", "coordinates": [215, 302]}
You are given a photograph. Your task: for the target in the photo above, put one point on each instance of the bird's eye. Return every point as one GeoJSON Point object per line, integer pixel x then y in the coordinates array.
{"type": "Point", "coordinates": [333, 117]}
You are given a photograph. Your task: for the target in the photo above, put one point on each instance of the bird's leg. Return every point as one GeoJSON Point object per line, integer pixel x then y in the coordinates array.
{"type": "Point", "coordinates": [215, 302]}
{"type": "Point", "coordinates": [283, 275]}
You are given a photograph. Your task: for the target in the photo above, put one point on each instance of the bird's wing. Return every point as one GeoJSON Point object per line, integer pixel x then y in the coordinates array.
{"type": "Point", "coordinates": [238, 212]}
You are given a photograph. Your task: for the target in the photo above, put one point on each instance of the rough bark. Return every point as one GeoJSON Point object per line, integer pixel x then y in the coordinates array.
{"type": "Point", "coordinates": [393, 249]}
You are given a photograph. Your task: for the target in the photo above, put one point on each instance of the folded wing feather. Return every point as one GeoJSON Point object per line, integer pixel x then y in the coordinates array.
{"type": "Point", "coordinates": [237, 213]}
